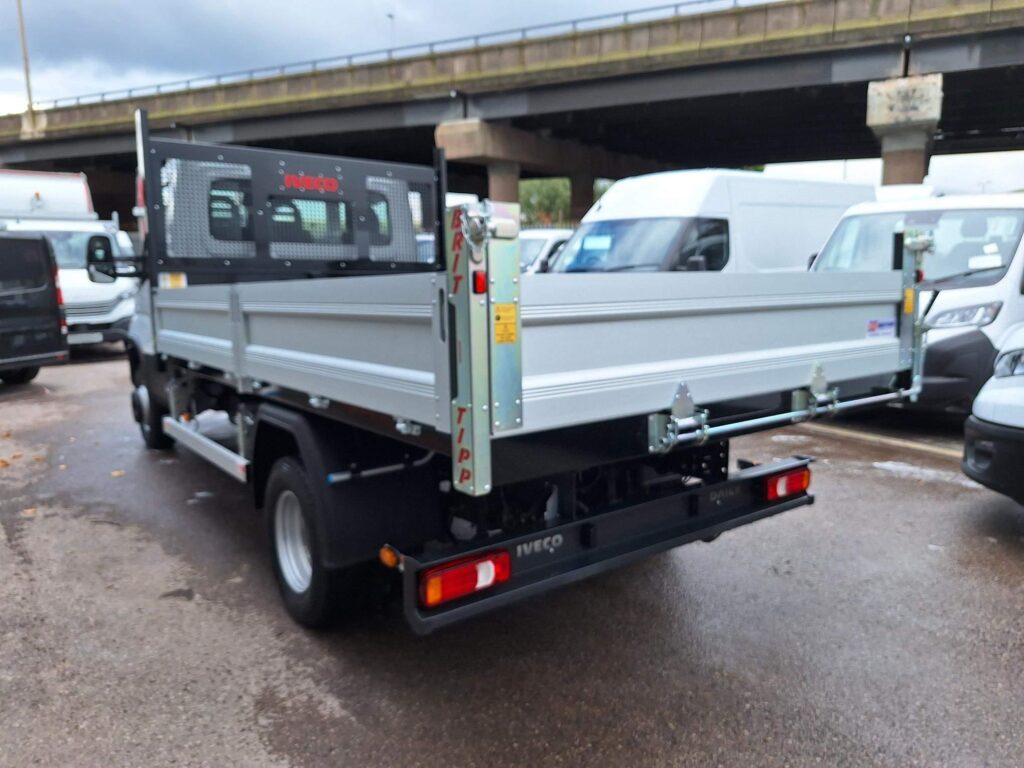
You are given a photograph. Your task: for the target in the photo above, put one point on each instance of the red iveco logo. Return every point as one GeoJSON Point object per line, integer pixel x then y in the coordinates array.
{"type": "Point", "coordinates": [311, 183]}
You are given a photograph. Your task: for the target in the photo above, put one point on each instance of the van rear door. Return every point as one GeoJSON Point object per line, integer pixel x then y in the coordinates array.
{"type": "Point", "coordinates": [32, 330]}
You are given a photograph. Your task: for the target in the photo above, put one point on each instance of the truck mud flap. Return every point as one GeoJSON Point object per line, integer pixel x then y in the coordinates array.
{"type": "Point", "coordinates": [555, 556]}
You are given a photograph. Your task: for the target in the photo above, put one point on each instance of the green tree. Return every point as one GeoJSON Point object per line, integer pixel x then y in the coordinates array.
{"type": "Point", "coordinates": [545, 202]}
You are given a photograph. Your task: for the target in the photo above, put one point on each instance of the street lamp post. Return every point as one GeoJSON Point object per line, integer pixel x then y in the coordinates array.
{"type": "Point", "coordinates": [24, 61]}
{"type": "Point", "coordinates": [391, 20]}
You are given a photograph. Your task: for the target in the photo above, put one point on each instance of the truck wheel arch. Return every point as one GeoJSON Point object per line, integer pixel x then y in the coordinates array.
{"type": "Point", "coordinates": [283, 432]}
{"type": "Point", "coordinates": [134, 363]}
{"type": "Point", "coordinates": [353, 519]}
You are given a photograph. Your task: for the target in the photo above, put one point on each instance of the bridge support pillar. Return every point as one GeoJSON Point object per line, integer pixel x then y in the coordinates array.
{"type": "Point", "coordinates": [506, 150]}
{"type": "Point", "coordinates": [904, 113]}
{"type": "Point", "coordinates": [503, 182]}
{"type": "Point", "coordinates": [581, 196]}
{"type": "Point", "coordinates": [905, 157]}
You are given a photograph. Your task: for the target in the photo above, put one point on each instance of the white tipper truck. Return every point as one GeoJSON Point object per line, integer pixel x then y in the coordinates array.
{"type": "Point", "coordinates": [475, 434]}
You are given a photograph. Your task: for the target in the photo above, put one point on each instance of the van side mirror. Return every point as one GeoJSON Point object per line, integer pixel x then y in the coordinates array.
{"type": "Point", "coordinates": [810, 261]}
{"type": "Point", "coordinates": [696, 263]}
{"type": "Point", "coordinates": [99, 259]}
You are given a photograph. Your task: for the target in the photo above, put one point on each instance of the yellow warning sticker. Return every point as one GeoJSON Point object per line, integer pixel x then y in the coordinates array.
{"type": "Point", "coordinates": [173, 280]}
{"type": "Point", "coordinates": [908, 301]}
{"type": "Point", "coordinates": [505, 323]}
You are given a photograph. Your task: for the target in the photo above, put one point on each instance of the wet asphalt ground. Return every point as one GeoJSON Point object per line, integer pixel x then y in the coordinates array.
{"type": "Point", "coordinates": [140, 625]}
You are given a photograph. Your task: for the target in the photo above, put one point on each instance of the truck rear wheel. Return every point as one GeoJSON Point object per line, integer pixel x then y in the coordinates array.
{"type": "Point", "coordinates": [19, 375]}
{"type": "Point", "coordinates": [310, 591]}
{"type": "Point", "coordinates": [150, 417]}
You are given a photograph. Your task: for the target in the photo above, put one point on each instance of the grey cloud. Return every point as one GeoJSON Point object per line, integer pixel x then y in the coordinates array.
{"type": "Point", "coordinates": [196, 37]}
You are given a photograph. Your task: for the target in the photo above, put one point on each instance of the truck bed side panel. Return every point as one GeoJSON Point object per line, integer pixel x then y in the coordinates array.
{"type": "Point", "coordinates": [371, 342]}
{"type": "Point", "coordinates": [598, 346]}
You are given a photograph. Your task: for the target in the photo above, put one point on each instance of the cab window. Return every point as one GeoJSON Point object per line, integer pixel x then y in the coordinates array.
{"type": "Point", "coordinates": [230, 209]}
{"type": "Point", "coordinates": [309, 221]}
{"type": "Point", "coordinates": [705, 245]}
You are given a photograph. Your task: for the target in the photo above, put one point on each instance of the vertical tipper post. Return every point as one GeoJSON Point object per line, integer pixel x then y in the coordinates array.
{"type": "Point", "coordinates": [506, 352]}
{"type": "Point", "coordinates": [909, 249]}
{"type": "Point", "coordinates": [485, 336]}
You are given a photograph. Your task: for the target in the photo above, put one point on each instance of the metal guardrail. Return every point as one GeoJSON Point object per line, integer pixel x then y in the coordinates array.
{"type": "Point", "coordinates": [467, 43]}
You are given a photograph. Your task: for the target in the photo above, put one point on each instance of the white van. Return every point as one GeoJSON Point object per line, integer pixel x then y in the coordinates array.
{"type": "Point", "coordinates": [96, 312]}
{"type": "Point", "coordinates": [44, 195]}
{"type": "Point", "coordinates": [59, 205]}
{"type": "Point", "coordinates": [716, 220]}
{"type": "Point", "coordinates": [537, 246]}
{"type": "Point", "coordinates": [994, 434]}
{"type": "Point", "coordinates": [972, 280]}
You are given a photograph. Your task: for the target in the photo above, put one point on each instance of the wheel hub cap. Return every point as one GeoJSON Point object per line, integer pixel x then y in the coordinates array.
{"type": "Point", "coordinates": [291, 541]}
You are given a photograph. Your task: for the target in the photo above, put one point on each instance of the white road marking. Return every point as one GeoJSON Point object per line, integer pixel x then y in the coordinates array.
{"type": "Point", "coordinates": [925, 474]}
{"type": "Point", "coordinates": [894, 442]}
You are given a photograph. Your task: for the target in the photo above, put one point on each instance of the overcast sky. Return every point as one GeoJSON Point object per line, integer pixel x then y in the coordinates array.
{"type": "Point", "coordinates": [85, 46]}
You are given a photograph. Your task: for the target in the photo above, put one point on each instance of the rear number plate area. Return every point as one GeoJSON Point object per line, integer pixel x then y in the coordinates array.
{"type": "Point", "coordinates": [85, 338]}
{"type": "Point", "coordinates": [725, 498]}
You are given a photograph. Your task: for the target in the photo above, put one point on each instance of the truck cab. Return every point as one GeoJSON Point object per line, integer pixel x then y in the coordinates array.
{"type": "Point", "coordinates": [32, 328]}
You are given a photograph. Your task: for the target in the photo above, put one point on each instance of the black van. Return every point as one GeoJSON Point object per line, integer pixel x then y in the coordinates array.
{"type": "Point", "coordinates": [33, 331]}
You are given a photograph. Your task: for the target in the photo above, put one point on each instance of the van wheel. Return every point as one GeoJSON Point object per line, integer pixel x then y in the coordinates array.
{"type": "Point", "coordinates": [311, 592]}
{"type": "Point", "coordinates": [19, 375]}
{"type": "Point", "coordinates": [149, 416]}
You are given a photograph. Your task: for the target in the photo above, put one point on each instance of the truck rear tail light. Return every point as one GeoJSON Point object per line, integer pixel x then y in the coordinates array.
{"type": "Point", "coordinates": [479, 281]}
{"type": "Point", "coordinates": [787, 484]}
{"type": "Point", "coordinates": [463, 577]}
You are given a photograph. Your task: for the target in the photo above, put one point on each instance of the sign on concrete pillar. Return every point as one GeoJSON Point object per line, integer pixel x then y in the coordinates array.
{"type": "Point", "coordinates": [904, 113]}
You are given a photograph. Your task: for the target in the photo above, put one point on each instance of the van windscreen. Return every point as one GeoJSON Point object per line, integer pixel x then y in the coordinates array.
{"type": "Point", "coordinates": [968, 242]}
{"type": "Point", "coordinates": [69, 246]}
{"type": "Point", "coordinates": [649, 245]}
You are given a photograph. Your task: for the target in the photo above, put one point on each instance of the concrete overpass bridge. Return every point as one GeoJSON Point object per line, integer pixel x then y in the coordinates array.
{"type": "Point", "coordinates": [679, 86]}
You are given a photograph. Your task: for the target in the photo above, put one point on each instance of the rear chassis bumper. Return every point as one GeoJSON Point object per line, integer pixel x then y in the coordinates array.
{"type": "Point", "coordinates": [32, 361]}
{"type": "Point", "coordinates": [994, 457]}
{"type": "Point", "coordinates": [602, 542]}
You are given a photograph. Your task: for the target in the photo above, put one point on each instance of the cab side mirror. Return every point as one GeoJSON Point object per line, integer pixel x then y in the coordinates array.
{"type": "Point", "coordinates": [99, 259]}
{"type": "Point", "coordinates": [696, 263]}
{"type": "Point", "coordinates": [810, 261]}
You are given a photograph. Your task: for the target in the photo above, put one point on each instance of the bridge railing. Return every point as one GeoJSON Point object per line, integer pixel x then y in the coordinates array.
{"type": "Point", "coordinates": [468, 42]}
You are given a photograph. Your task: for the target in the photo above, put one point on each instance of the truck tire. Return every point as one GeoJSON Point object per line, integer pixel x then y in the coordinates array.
{"type": "Point", "coordinates": [149, 416]}
{"type": "Point", "coordinates": [19, 375]}
{"type": "Point", "coordinates": [311, 591]}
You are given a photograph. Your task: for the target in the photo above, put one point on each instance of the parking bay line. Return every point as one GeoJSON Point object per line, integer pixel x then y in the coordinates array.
{"type": "Point", "coordinates": [893, 442]}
